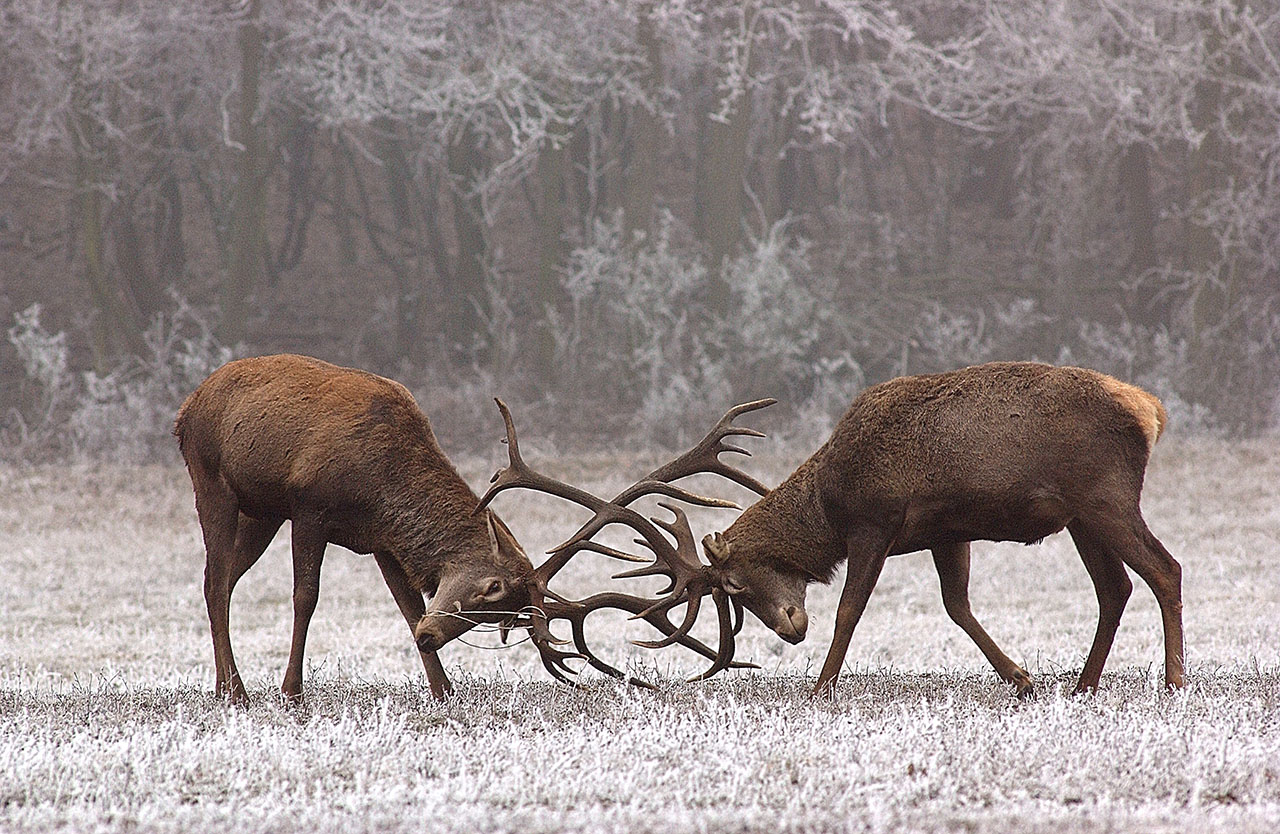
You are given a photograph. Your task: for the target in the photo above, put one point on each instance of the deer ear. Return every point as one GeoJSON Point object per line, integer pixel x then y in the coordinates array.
{"type": "Point", "coordinates": [717, 548]}
{"type": "Point", "coordinates": [493, 533]}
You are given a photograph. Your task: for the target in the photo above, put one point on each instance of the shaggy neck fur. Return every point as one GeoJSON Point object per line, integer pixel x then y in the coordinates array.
{"type": "Point", "coordinates": [431, 521]}
{"type": "Point", "coordinates": [788, 527]}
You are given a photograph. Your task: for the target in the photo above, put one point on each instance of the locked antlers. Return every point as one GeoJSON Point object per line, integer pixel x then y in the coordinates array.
{"type": "Point", "coordinates": [690, 579]}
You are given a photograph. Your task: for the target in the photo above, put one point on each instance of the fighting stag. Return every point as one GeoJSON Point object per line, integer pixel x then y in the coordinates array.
{"type": "Point", "coordinates": [689, 579]}
{"type": "Point", "coordinates": [1009, 451]}
{"type": "Point", "coordinates": [349, 458]}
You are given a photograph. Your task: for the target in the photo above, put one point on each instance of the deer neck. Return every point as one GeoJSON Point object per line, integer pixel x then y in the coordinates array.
{"type": "Point", "coordinates": [427, 521]}
{"type": "Point", "coordinates": [789, 527]}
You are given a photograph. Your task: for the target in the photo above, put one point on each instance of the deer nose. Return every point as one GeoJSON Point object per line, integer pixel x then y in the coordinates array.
{"type": "Point", "coordinates": [793, 624]}
{"type": "Point", "coordinates": [426, 637]}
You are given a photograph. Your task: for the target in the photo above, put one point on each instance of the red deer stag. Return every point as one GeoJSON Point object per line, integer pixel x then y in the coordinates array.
{"type": "Point", "coordinates": [998, 452]}
{"type": "Point", "coordinates": [1007, 451]}
{"type": "Point", "coordinates": [349, 458]}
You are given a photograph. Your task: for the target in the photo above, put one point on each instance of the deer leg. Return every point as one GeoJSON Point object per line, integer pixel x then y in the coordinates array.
{"type": "Point", "coordinates": [863, 571]}
{"type": "Point", "coordinates": [412, 606]}
{"type": "Point", "coordinates": [221, 575]}
{"type": "Point", "coordinates": [952, 563]}
{"type": "Point", "coordinates": [1127, 538]}
{"type": "Point", "coordinates": [218, 512]}
{"type": "Point", "coordinates": [1148, 558]}
{"type": "Point", "coordinates": [308, 551]}
{"type": "Point", "coordinates": [1112, 585]}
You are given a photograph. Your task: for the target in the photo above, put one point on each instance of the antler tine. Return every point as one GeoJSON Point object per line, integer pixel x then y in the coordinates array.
{"type": "Point", "coordinates": [553, 660]}
{"type": "Point", "coordinates": [690, 617]}
{"type": "Point", "coordinates": [518, 474]}
{"type": "Point", "coordinates": [724, 657]}
{"type": "Point", "coordinates": [705, 457]}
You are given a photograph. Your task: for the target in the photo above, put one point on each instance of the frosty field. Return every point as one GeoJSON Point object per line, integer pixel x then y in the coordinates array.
{"type": "Point", "coordinates": [108, 723]}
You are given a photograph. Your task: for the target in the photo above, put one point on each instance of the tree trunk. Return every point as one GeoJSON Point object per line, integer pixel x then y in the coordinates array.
{"type": "Point", "coordinates": [465, 298]}
{"type": "Point", "coordinates": [410, 305]}
{"type": "Point", "coordinates": [1212, 268]}
{"type": "Point", "coordinates": [171, 249]}
{"type": "Point", "coordinates": [340, 211]}
{"type": "Point", "coordinates": [114, 330]}
{"type": "Point", "coordinates": [723, 130]}
{"type": "Point", "coordinates": [644, 133]}
{"type": "Point", "coordinates": [247, 240]}
{"type": "Point", "coordinates": [550, 213]}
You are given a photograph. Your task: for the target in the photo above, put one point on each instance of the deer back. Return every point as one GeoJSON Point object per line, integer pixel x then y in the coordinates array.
{"type": "Point", "coordinates": [986, 439]}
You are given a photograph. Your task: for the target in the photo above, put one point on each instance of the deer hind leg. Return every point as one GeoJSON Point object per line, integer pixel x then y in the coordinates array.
{"type": "Point", "coordinates": [412, 606]}
{"type": "Point", "coordinates": [1127, 538]}
{"type": "Point", "coordinates": [865, 561]}
{"type": "Point", "coordinates": [1149, 559]}
{"type": "Point", "coordinates": [218, 511]}
{"type": "Point", "coordinates": [252, 537]}
{"type": "Point", "coordinates": [952, 562]}
{"type": "Point", "coordinates": [308, 542]}
{"type": "Point", "coordinates": [1112, 586]}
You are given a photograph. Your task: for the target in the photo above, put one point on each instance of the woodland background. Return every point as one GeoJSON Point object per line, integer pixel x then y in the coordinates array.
{"type": "Point", "coordinates": [625, 214]}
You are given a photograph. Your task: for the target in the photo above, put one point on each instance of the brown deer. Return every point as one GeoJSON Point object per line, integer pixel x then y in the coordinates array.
{"type": "Point", "coordinates": [1007, 451]}
{"type": "Point", "coordinates": [1010, 451]}
{"type": "Point", "coordinates": [349, 458]}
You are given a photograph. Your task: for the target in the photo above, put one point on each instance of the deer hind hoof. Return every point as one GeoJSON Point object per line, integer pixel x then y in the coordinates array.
{"type": "Point", "coordinates": [1022, 686]}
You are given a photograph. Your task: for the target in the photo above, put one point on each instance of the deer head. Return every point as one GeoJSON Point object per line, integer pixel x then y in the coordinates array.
{"type": "Point", "coordinates": [471, 591]}
{"type": "Point", "coordinates": [771, 590]}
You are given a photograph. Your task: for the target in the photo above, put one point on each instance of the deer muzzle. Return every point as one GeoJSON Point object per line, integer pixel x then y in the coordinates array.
{"type": "Point", "coordinates": [792, 624]}
{"type": "Point", "coordinates": [436, 629]}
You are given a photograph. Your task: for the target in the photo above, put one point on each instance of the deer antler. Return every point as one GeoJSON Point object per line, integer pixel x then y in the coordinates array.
{"type": "Point", "coordinates": [689, 577]}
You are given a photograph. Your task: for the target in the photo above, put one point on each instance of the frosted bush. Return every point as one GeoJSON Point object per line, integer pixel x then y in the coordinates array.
{"type": "Point", "coordinates": [783, 323]}
{"type": "Point", "coordinates": [127, 414]}
{"type": "Point", "coordinates": [638, 334]}
{"type": "Point", "coordinates": [628, 330]}
{"type": "Point", "coordinates": [44, 359]}
{"type": "Point", "coordinates": [944, 338]}
{"type": "Point", "coordinates": [122, 415]}
{"type": "Point", "coordinates": [43, 354]}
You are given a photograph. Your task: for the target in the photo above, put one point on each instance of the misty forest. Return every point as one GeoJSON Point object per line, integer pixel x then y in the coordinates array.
{"type": "Point", "coordinates": [626, 214]}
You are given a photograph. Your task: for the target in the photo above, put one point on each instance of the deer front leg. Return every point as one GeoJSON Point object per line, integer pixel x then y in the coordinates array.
{"type": "Point", "coordinates": [412, 607]}
{"type": "Point", "coordinates": [952, 562]}
{"type": "Point", "coordinates": [863, 571]}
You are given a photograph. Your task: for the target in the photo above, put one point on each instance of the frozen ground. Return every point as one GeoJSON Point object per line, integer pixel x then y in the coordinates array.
{"type": "Point", "coordinates": [107, 722]}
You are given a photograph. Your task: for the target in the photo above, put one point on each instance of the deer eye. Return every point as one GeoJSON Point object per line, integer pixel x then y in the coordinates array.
{"type": "Point", "coordinates": [494, 588]}
{"type": "Point", "coordinates": [732, 586]}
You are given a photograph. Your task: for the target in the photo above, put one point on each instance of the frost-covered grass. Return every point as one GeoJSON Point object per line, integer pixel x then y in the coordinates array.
{"type": "Point", "coordinates": [107, 721]}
